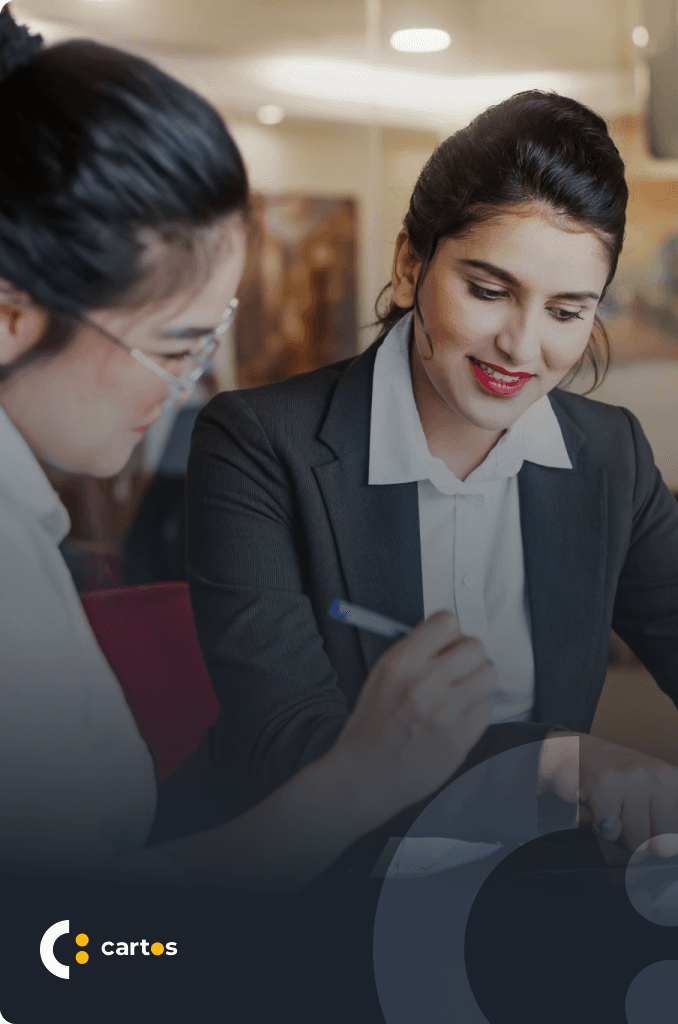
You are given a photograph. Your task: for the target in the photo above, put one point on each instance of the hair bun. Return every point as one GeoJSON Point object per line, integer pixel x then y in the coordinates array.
{"type": "Point", "coordinates": [17, 45]}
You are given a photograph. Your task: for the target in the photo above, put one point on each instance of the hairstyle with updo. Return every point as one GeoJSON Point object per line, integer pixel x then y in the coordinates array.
{"type": "Point", "coordinates": [535, 147]}
{"type": "Point", "coordinates": [104, 153]}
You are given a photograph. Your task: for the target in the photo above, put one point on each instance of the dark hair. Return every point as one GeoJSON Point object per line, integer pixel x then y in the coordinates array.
{"type": "Point", "coordinates": [106, 152]}
{"type": "Point", "coordinates": [535, 147]}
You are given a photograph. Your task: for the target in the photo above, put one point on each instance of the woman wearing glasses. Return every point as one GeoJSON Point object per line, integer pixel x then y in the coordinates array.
{"type": "Point", "coordinates": [123, 211]}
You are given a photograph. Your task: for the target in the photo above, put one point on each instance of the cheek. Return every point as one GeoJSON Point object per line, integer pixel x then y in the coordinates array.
{"type": "Point", "coordinates": [564, 350]}
{"type": "Point", "coordinates": [130, 393]}
{"type": "Point", "coordinates": [102, 414]}
{"type": "Point", "coordinates": [461, 321]}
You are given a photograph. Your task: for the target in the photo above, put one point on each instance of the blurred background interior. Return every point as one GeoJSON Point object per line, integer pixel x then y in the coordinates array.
{"type": "Point", "coordinates": [336, 105]}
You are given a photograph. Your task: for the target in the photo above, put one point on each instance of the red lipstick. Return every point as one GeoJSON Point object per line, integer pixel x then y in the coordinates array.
{"type": "Point", "coordinates": [496, 386]}
{"type": "Point", "coordinates": [142, 429]}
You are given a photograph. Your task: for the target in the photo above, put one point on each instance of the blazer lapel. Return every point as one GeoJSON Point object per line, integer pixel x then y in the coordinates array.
{"type": "Point", "coordinates": [564, 528]}
{"type": "Point", "coordinates": [376, 528]}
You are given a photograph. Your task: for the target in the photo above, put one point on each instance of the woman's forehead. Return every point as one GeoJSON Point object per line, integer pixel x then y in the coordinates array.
{"type": "Point", "coordinates": [531, 245]}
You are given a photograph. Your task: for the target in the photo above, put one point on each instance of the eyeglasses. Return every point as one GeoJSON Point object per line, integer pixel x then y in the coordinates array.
{"type": "Point", "coordinates": [201, 358]}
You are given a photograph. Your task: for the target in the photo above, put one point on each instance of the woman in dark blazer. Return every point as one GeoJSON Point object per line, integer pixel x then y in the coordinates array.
{"type": "Point", "coordinates": [512, 237]}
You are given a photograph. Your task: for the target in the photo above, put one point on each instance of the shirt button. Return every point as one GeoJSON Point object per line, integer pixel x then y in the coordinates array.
{"type": "Point", "coordinates": [467, 580]}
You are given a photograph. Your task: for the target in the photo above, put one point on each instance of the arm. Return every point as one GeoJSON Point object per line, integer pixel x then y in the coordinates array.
{"type": "Point", "coordinates": [423, 706]}
{"type": "Point", "coordinates": [70, 753]}
{"type": "Point", "coordinates": [287, 839]}
{"type": "Point", "coordinates": [646, 605]}
{"type": "Point", "coordinates": [282, 704]}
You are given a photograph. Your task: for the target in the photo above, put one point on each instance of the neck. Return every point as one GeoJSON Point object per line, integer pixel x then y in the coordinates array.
{"type": "Point", "coordinates": [459, 444]}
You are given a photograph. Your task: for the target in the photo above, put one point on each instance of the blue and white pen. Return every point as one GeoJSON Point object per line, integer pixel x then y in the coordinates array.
{"type": "Point", "coordinates": [361, 618]}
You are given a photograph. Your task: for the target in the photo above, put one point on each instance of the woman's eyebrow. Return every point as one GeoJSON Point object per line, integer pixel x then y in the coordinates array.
{"type": "Point", "coordinates": [185, 333]}
{"type": "Point", "coordinates": [503, 275]}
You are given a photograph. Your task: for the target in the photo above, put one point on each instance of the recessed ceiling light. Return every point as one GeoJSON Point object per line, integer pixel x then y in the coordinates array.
{"type": "Point", "coordinates": [640, 36]}
{"type": "Point", "coordinates": [270, 114]}
{"type": "Point", "coordinates": [420, 40]}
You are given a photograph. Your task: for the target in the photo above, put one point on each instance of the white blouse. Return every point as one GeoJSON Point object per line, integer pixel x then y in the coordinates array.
{"type": "Point", "coordinates": [471, 542]}
{"type": "Point", "coordinates": [77, 783]}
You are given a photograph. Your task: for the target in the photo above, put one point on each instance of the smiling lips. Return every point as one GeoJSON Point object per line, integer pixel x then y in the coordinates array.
{"type": "Point", "coordinates": [496, 380]}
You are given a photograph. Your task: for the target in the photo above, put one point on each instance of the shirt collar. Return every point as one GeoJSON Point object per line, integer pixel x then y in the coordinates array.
{"type": "Point", "coordinates": [22, 476]}
{"type": "Point", "coordinates": [398, 448]}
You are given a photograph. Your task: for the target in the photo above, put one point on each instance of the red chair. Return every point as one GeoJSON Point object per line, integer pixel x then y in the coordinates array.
{"type": "Point", "coordinates": [148, 636]}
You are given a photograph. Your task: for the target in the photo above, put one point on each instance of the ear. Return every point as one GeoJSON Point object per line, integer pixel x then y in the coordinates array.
{"type": "Point", "coordinates": [22, 322]}
{"type": "Point", "coordinates": [405, 271]}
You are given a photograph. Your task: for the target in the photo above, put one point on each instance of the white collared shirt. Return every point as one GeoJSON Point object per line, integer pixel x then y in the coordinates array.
{"type": "Point", "coordinates": [471, 542]}
{"type": "Point", "coordinates": [77, 784]}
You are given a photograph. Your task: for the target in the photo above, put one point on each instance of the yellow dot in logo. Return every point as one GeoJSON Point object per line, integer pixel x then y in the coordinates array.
{"type": "Point", "coordinates": [82, 957]}
{"type": "Point", "coordinates": [81, 939]}
{"type": "Point", "coordinates": [157, 948]}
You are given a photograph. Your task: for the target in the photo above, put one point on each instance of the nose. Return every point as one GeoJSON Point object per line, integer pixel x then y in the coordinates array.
{"type": "Point", "coordinates": [520, 338]}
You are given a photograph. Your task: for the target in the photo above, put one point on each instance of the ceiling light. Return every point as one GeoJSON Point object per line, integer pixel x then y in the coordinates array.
{"type": "Point", "coordinates": [640, 36]}
{"type": "Point", "coordinates": [270, 114]}
{"type": "Point", "coordinates": [420, 40]}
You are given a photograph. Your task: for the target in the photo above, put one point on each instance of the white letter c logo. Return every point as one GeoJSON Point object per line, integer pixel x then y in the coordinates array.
{"type": "Point", "coordinates": [47, 949]}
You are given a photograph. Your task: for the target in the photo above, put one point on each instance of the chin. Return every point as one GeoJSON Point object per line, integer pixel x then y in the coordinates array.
{"type": "Point", "coordinates": [100, 464]}
{"type": "Point", "coordinates": [502, 419]}
{"type": "Point", "coordinates": [107, 464]}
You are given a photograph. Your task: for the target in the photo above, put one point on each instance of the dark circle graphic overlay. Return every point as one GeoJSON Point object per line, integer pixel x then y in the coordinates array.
{"type": "Point", "coordinates": [540, 928]}
{"type": "Point", "coordinates": [653, 995]}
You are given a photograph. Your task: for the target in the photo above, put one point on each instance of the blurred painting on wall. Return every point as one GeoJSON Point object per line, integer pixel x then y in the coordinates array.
{"type": "Point", "coordinates": [298, 297]}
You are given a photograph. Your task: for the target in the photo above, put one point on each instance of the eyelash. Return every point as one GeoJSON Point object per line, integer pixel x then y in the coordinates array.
{"type": "Point", "coordinates": [491, 296]}
{"type": "Point", "coordinates": [177, 355]}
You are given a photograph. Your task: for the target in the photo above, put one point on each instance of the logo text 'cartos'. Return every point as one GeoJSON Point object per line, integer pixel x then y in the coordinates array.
{"type": "Point", "coordinates": [60, 970]}
{"type": "Point", "coordinates": [127, 948]}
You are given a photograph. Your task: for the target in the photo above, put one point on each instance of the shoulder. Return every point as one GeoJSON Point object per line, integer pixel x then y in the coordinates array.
{"type": "Point", "coordinates": [17, 540]}
{"type": "Point", "coordinates": [33, 595]}
{"type": "Point", "coordinates": [288, 413]}
{"type": "Point", "coordinates": [306, 394]}
{"type": "Point", "coordinates": [602, 431]}
{"type": "Point", "coordinates": [586, 412]}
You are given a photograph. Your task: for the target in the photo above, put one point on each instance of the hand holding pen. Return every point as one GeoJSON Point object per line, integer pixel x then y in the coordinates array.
{"type": "Point", "coordinates": [622, 793]}
{"type": "Point", "coordinates": [422, 708]}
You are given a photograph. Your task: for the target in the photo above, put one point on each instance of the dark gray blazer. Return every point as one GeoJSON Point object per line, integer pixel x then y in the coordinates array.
{"type": "Point", "coordinates": [281, 522]}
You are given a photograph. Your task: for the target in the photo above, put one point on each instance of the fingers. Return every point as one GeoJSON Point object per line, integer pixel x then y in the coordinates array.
{"type": "Point", "coordinates": [637, 803]}
{"type": "Point", "coordinates": [433, 678]}
{"type": "Point", "coordinates": [605, 804]}
{"type": "Point", "coordinates": [459, 660]}
{"type": "Point", "coordinates": [412, 659]}
{"type": "Point", "coordinates": [407, 660]}
{"type": "Point", "coordinates": [443, 694]}
{"type": "Point", "coordinates": [610, 829]}
{"type": "Point", "coordinates": [650, 810]}
{"type": "Point", "coordinates": [471, 723]}
{"type": "Point", "coordinates": [429, 637]}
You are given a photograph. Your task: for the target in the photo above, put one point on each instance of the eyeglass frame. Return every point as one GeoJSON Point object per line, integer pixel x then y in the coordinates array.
{"type": "Point", "coordinates": [208, 346]}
